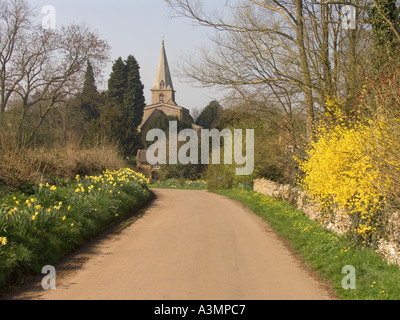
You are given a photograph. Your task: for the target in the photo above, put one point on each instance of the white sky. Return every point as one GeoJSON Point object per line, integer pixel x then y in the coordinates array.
{"type": "Point", "coordinates": [136, 27]}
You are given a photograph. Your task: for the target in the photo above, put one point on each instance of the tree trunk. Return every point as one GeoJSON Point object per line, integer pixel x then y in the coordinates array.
{"type": "Point", "coordinates": [305, 71]}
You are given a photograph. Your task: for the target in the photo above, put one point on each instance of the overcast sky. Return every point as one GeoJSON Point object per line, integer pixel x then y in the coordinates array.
{"type": "Point", "coordinates": [136, 27]}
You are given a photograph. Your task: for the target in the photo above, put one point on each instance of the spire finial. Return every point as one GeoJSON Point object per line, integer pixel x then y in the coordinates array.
{"type": "Point", "coordinates": [163, 38]}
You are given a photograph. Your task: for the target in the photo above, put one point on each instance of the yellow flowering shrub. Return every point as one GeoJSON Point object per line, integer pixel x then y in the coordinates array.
{"type": "Point", "coordinates": [344, 168]}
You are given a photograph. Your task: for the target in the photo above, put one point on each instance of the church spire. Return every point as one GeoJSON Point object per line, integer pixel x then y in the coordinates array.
{"type": "Point", "coordinates": [163, 77]}
{"type": "Point", "coordinates": [163, 89]}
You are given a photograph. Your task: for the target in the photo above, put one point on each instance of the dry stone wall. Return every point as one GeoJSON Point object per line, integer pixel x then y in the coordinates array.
{"type": "Point", "coordinates": [339, 222]}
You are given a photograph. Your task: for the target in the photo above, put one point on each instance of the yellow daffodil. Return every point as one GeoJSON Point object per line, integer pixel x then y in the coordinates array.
{"type": "Point", "coordinates": [3, 241]}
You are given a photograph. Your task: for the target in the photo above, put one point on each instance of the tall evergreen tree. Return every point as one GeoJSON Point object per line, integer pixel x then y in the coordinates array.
{"type": "Point", "coordinates": [209, 115]}
{"type": "Point", "coordinates": [132, 107]}
{"type": "Point", "coordinates": [91, 99]}
{"type": "Point", "coordinates": [125, 94]}
{"type": "Point", "coordinates": [117, 84]}
{"type": "Point", "coordinates": [134, 101]}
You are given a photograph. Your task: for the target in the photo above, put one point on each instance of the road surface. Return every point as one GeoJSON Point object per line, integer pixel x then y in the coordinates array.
{"type": "Point", "coordinates": [187, 245]}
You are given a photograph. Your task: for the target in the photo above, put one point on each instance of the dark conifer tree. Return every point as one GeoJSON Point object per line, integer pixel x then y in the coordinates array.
{"type": "Point", "coordinates": [117, 84]}
{"type": "Point", "coordinates": [134, 101]}
{"type": "Point", "coordinates": [209, 115]}
{"type": "Point", "coordinates": [125, 94]}
{"type": "Point", "coordinates": [91, 99]}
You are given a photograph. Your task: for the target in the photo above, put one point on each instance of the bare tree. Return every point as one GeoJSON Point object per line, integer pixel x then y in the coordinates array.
{"type": "Point", "coordinates": [54, 68]}
{"type": "Point", "coordinates": [15, 17]}
{"type": "Point", "coordinates": [291, 52]}
{"type": "Point", "coordinates": [195, 113]}
{"type": "Point", "coordinates": [43, 68]}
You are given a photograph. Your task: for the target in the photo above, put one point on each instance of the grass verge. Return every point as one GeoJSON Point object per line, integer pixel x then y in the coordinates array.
{"type": "Point", "coordinates": [325, 251]}
{"type": "Point", "coordinates": [179, 184]}
{"type": "Point", "coordinates": [40, 228]}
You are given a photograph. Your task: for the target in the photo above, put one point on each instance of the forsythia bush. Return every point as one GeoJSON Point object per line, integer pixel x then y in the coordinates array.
{"type": "Point", "coordinates": [347, 168]}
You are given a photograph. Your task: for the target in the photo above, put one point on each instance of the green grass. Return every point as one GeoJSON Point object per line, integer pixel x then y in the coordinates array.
{"type": "Point", "coordinates": [179, 184]}
{"type": "Point", "coordinates": [51, 221]}
{"type": "Point", "coordinates": [325, 251]}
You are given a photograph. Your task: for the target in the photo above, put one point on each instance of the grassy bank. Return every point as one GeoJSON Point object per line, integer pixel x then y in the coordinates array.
{"type": "Point", "coordinates": [39, 228]}
{"type": "Point", "coordinates": [179, 184]}
{"type": "Point", "coordinates": [325, 251]}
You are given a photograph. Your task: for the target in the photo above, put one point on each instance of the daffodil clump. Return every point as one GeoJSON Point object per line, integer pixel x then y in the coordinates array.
{"type": "Point", "coordinates": [40, 228]}
{"type": "Point", "coordinates": [343, 171]}
{"type": "Point", "coordinates": [173, 183]}
{"type": "Point", "coordinates": [199, 183]}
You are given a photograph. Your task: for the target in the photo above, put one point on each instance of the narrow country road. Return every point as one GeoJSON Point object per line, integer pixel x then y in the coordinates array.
{"type": "Point", "coordinates": [187, 245]}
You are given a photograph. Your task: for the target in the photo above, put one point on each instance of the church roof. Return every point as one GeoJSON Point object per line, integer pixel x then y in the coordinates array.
{"type": "Point", "coordinates": [163, 73]}
{"type": "Point", "coordinates": [142, 157]}
{"type": "Point", "coordinates": [155, 113]}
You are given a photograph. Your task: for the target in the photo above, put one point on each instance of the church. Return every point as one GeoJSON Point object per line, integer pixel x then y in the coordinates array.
{"type": "Point", "coordinates": [162, 103]}
{"type": "Point", "coordinates": [163, 96]}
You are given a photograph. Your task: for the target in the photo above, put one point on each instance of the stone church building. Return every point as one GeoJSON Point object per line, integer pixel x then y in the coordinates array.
{"type": "Point", "coordinates": [163, 96]}
{"type": "Point", "coordinates": [162, 103]}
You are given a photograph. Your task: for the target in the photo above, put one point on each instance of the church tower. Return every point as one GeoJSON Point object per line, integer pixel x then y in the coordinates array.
{"type": "Point", "coordinates": [163, 96]}
{"type": "Point", "coordinates": [162, 104]}
{"type": "Point", "coordinates": [163, 89]}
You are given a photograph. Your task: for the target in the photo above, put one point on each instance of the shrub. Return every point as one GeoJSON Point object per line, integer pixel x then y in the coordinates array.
{"type": "Point", "coordinates": [344, 169]}
{"type": "Point", "coordinates": [21, 166]}
{"type": "Point", "coordinates": [181, 171]}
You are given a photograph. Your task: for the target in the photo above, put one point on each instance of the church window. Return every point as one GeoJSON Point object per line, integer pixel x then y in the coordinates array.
{"type": "Point", "coordinates": [161, 98]}
{"type": "Point", "coordinates": [162, 84]}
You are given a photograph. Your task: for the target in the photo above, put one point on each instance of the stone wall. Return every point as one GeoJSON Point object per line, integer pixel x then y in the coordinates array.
{"type": "Point", "coordinates": [339, 222]}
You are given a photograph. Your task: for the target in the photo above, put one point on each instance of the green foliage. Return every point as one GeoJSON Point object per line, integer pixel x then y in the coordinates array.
{"type": "Point", "coordinates": [173, 171]}
{"type": "Point", "coordinates": [125, 103]}
{"type": "Point", "coordinates": [162, 122]}
{"type": "Point", "coordinates": [179, 183]}
{"type": "Point", "coordinates": [270, 159]}
{"type": "Point", "coordinates": [134, 101]}
{"type": "Point", "coordinates": [220, 176]}
{"type": "Point", "coordinates": [180, 171]}
{"type": "Point", "coordinates": [90, 97]}
{"type": "Point", "coordinates": [133, 106]}
{"type": "Point", "coordinates": [117, 84]}
{"type": "Point", "coordinates": [210, 115]}
{"type": "Point", "coordinates": [385, 43]}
